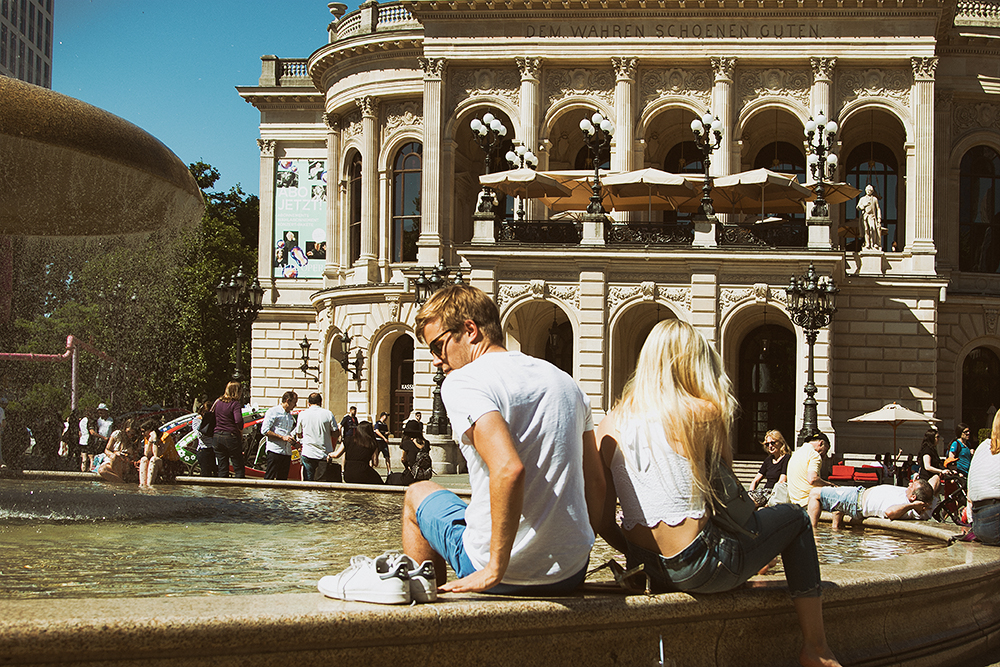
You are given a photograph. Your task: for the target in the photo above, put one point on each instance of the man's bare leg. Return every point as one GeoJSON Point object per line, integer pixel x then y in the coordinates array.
{"type": "Point", "coordinates": [836, 521]}
{"type": "Point", "coordinates": [414, 544]}
{"type": "Point", "coordinates": [814, 508]}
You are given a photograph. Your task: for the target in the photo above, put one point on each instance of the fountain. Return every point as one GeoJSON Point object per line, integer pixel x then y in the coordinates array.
{"type": "Point", "coordinates": [71, 169]}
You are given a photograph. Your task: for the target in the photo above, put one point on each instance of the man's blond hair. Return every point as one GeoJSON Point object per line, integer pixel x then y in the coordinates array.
{"type": "Point", "coordinates": [454, 305]}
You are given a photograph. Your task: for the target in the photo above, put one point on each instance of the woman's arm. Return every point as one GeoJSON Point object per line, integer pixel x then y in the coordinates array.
{"type": "Point", "coordinates": [607, 525]}
{"type": "Point", "coordinates": [756, 480]}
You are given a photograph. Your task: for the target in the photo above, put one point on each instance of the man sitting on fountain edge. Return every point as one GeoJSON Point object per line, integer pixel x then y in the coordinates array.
{"type": "Point", "coordinates": [526, 431]}
{"type": "Point", "coordinates": [885, 501]}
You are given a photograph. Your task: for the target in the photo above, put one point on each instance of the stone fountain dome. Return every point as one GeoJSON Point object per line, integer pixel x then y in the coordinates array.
{"type": "Point", "coordinates": [71, 169]}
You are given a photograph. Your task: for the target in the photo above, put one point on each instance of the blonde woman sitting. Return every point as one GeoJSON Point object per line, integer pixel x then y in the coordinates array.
{"type": "Point", "coordinates": [661, 447]}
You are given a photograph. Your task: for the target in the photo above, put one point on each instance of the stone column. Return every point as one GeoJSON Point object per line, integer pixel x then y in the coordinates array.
{"type": "Point", "coordinates": [820, 228]}
{"type": "Point", "coordinates": [624, 155]}
{"type": "Point", "coordinates": [945, 180]}
{"type": "Point", "coordinates": [334, 232]}
{"type": "Point", "coordinates": [722, 158]}
{"type": "Point", "coordinates": [531, 69]}
{"type": "Point", "coordinates": [430, 241]}
{"type": "Point", "coordinates": [920, 186]}
{"type": "Point", "coordinates": [366, 268]}
{"type": "Point", "coordinates": [265, 259]}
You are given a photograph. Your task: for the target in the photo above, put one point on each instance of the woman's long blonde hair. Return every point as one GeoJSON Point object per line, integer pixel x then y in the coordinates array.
{"type": "Point", "coordinates": [995, 435]}
{"type": "Point", "coordinates": [679, 378]}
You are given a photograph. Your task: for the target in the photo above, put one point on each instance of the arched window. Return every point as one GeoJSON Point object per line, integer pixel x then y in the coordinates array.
{"type": "Point", "coordinates": [406, 179]}
{"type": "Point", "coordinates": [766, 388]}
{"type": "Point", "coordinates": [979, 211]}
{"type": "Point", "coordinates": [874, 164]}
{"type": "Point", "coordinates": [980, 388]}
{"type": "Point", "coordinates": [354, 205]}
{"type": "Point", "coordinates": [683, 158]}
{"type": "Point", "coordinates": [585, 161]}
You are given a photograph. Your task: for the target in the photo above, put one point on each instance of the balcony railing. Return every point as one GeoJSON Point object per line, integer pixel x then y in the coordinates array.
{"type": "Point", "coordinates": [539, 231]}
{"type": "Point", "coordinates": [648, 233]}
{"type": "Point", "coordinates": [375, 18]}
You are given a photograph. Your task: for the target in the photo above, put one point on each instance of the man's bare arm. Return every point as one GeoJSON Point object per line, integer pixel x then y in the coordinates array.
{"type": "Point", "coordinates": [491, 438]}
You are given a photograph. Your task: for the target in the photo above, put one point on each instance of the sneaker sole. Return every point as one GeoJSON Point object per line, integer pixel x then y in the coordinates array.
{"type": "Point", "coordinates": [328, 588]}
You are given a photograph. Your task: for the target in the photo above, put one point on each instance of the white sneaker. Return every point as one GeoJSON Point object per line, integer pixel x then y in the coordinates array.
{"type": "Point", "coordinates": [366, 580]}
{"type": "Point", "coordinates": [423, 582]}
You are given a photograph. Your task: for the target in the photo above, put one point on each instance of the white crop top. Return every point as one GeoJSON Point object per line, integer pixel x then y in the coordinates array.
{"type": "Point", "coordinates": [654, 483]}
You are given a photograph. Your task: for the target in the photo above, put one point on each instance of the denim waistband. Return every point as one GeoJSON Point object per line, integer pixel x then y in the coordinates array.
{"type": "Point", "coordinates": [694, 551]}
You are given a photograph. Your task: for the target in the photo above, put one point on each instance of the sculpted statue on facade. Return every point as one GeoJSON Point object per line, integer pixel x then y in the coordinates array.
{"type": "Point", "coordinates": [871, 219]}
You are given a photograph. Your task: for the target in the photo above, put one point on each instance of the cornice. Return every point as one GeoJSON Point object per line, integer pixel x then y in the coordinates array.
{"type": "Point", "coordinates": [371, 46]}
{"type": "Point", "coordinates": [587, 9]}
{"type": "Point", "coordinates": [269, 99]}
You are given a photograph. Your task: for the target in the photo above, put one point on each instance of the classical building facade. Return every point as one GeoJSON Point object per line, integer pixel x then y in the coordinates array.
{"type": "Point", "coordinates": [369, 173]}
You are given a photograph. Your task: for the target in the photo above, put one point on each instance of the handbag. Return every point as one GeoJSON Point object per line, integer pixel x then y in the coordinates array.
{"type": "Point", "coordinates": [732, 508]}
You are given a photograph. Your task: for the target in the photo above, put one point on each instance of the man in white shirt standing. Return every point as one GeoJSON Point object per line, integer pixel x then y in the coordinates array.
{"type": "Point", "coordinates": [277, 427]}
{"type": "Point", "coordinates": [526, 431]}
{"type": "Point", "coordinates": [318, 432]}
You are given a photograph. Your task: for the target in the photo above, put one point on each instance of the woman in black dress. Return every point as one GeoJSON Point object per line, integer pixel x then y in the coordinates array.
{"type": "Point", "coordinates": [359, 454]}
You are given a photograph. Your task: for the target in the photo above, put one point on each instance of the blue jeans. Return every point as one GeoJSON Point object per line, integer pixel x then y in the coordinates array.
{"type": "Point", "coordinates": [844, 499]}
{"type": "Point", "coordinates": [206, 461]}
{"type": "Point", "coordinates": [986, 524]}
{"type": "Point", "coordinates": [441, 517]}
{"type": "Point", "coordinates": [717, 561]}
{"type": "Point", "coordinates": [229, 447]}
{"type": "Point", "coordinates": [309, 467]}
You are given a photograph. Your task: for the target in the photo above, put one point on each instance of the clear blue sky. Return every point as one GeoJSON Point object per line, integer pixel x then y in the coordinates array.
{"type": "Point", "coordinates": [171, 67]}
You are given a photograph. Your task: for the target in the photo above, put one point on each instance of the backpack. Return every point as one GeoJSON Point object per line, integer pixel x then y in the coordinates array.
{"type": "Point", "coordinates": [421, 468]}
{"type": "Point", "coordinates": [207, 428]}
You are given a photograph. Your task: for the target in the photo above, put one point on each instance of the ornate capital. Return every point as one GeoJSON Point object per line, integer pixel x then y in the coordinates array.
{"type": "Point", "coordinates": [625, 67]}
{"type": "Point", "coordinates": [266, 147]}
{"type": "Point", "coordinates": [368, 105]}
{"type": "Point", "coordinates": [530, 67]}
{"type": "Point", "coordinates": [944, 98]}
{"type": "Point", "coordinates": [433, 67]}
{"type": "Point", "coordinates": [332, 121]}
{"type": "Point", "coordinates": [923, 68]}
{"type": "Point", "coordinates": [823, 68]}
{"type": "Point", "coordinates": [723, 68]}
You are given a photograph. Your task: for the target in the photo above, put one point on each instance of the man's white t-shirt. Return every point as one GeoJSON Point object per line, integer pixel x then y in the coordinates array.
{"type": "Point", "coordinates": [317, 426]}
{"type": "Point", "coordinates": [879, 499]}
{"type": "Point", "coordinates": [547, 414]}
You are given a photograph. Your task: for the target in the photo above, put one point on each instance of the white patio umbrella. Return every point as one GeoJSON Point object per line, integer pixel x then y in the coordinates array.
{"type": "Point", "coordinates": [757, 191]}
{"type": "Point", "coordinates": [835, 193]}
{"type": "Point", "coordinates": [526, 183]}
{"type": "Point", "coordinates": [894, 415]}
{"type": "Point", "coordinates": [669, 189]}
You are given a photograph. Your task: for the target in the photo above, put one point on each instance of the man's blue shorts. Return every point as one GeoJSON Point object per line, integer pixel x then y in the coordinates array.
{"type": "Point", "coordinates": [846, 499]}
{"type": "Point", "coordinates": [441, 518]}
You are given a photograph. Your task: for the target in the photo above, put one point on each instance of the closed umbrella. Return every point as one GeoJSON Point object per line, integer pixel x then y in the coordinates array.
{"type": "Point", "coordinates": [894, 415]}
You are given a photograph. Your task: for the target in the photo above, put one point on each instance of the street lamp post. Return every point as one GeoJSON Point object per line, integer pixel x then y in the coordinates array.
{"type": "Point", "coordinates": [597, 132]}
{"type": "Point", "coordinates": [812, 303]}
{"type": "Point", "coordinates": [489, 133]}
{"type": "Point", "coordinates": [519, 158]}
{"type": "Point", "coordinates": [426, 286]}
{"type": "Point", "coordinates": [819, 139]}
{"type": "Point", "coordinates": [239, 303]}
{"type": "Point", "coordinates": [707, 137]}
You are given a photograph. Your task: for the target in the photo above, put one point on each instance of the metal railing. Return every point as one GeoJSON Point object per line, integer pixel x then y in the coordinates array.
{"type": "Point", "coordinates": [539, 231]}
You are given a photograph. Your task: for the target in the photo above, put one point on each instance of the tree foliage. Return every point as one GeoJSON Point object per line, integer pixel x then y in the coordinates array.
{"type": "Point", "coordinates": [146, 301]}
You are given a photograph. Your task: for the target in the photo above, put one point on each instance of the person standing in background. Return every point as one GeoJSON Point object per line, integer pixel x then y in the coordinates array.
{"type": "Point", "coordinates": [348, 424]}
{"type": "Point", "coordinates": [382, 441]}
{"type": "Point", "coordinates": [85, 457]}
{"type": "Point", "coordinates": [205, 451]}
{"type": "Point", "coordinates": [278, 427]}
{"type": "Point", "coordinates": [228, 413]}
{"type": "Point", "coordinates": [317, 430]}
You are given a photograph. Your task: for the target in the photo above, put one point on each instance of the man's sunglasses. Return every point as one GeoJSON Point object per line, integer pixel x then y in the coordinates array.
{"type": "Point", "coordinates": [436, 346]}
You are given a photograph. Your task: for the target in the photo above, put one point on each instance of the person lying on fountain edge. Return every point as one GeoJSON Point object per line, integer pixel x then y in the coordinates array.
{"type": "Point", "coordinates": [885, 501]}
{"type": "Point", "coordinates": [526, 431]}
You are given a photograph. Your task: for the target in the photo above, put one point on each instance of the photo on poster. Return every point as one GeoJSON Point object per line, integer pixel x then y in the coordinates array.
{"type": "Point", "coordinates": [316, 250]}
{"type": "Point", "coordinates": [319, 192]}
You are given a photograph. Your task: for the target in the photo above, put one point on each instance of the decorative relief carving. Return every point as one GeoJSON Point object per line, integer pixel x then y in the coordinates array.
{"type": "Point", "coordinates": [616, 295]}
{"type": "Point", "coordinates": [990, 316]}
{"type": "Point", "coordinates": [943, 98]}
{"type": "Point", "coordinates": [407, 114]}
{"type": "Point", "coordinates": [530, 67]}
{"type": "Point", "coordinates": [394, 305]}
{"type": "Point", "coordinates": [561, 83]}
{"type": "Point", "coordinates": [971, 116]}
{"type": "Point", "coordinates": [368, 105]}
{"type": "Point", "coordinates": [538, 289]}
{"type": "Point", "coordinates": [759, 292]}
{"type": "Point", "coordinates": [823, 68]}
{"type": "Point", "coordinates": [266, 147]}
{"type": "Point", "coordinates": [332, 121]}
{"type": "Point", "coordinates": [648, 291]}
{"type": "Point", "coordinates": [569, 294]}
{"type": "Point", "coordinates": [433, 67]}
{"type": "Point", "coordinates": [625, 67]}
{"type": "Point", "coordinates": [923, 68]}
{"type": "Point", "coordinates": [756, 83]}
{"type": "Point", "coordinates": [508, 293]}
{"type": "Point", "coordinates": [466, 83]}
{"type": "Point", "coordinates": [351, 125]}
{"type": "Point", "coordinates": [657, 83]}
{"type": "Point", "coordinates": [723, 68]}
{"type": "Point", "coordinates": [730, 297]}
{"type": "Point", "coordinates": [892, 83]}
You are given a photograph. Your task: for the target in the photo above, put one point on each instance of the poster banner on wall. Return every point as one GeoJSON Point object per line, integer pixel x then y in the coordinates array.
{"type": "Point", "coordinates": [300, 218]}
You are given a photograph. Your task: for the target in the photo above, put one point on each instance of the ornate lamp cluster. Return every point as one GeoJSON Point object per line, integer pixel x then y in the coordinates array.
{"type": "Point", "coordinates": [707, 137]}
{"type": "Point", "coordinates": [424, 287]}
{"type": "Point", "coordinates": [597, 132]}
{"type": "Point", "coordinates": [489, 133]}
{"type": "Point", "coordinates": [812, 301]}
{"type": "Point", "coordinates": [520, 158]}
{"type": "Point", "coordinates": [820, 134]}
{"type": "Point", "coordinates": [239, 303]}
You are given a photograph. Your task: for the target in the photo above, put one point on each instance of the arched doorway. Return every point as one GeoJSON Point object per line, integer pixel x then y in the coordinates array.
{"type": "Point", "coordinates": [980, 388]}
{"type": "Point", "coordinates": [629, 334]}
{"type": "Point", "coordinates": [401, 380]}
{"type": "Point", "coordinates": [766, 390]}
